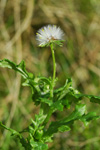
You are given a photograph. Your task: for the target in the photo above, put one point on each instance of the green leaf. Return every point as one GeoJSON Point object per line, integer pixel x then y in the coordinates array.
{"type": "Point", "coordinates": [39, 119]}
{"type": "Point", "coordinates": [79, 111]}
{"type": "Point", "coordinates": [41, 92]}
{"type": "Point", "coordinates": [61, 92]}
{"type": "Point", "coordinates": [64, 128]}
{"type": "Point", "coordinates": [67, 95]}
{"type": "Point", "coordinates": [47, 139]}
{"type": "Point", "coordinates": [40, 85]}
{"type": "Point", "coordinates": [36, 124]}
{"type": "Point", "coordinates": [14, 132]}
{"type": "Point", "coordinates": [75, 115]}
{"type": "Point", "coordinates": [94, 99]}
{"type": "Point", "coordinates": [88, 117]}
{"type": "Point", "coordinates": [20, 68]}
{"type": "Point", "coordinates": [38, 145]}
{"type": "Point", "coordinates": [57, 106]}
{"type": "Point", "coordinates": [66, 91]}
{"type": "Point", "coordinates": [46, 101]}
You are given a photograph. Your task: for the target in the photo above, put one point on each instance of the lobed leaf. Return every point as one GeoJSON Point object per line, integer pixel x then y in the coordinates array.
{"type": "Point", "coordinates": [92, 98]}
{"type": "Point", "coordinates": [20, 68]}
{"type": "Point", "coordinates": [75, 115]}
{"type": "Point", "coordinates": [88, 117]}
{"type": "Point", "coordinates": [67, 95]}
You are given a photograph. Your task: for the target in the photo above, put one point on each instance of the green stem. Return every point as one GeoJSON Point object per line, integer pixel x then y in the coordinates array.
{"type": "Point", "coordinates": [53, 84]}
{"type": "Point", "coordinates": [48, 117]}
{"type": "Point", "coordinates": [54, 68]}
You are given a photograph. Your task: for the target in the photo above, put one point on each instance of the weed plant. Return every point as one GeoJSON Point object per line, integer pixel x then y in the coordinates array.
{"type": "Point", "coordinates": [50, 99]}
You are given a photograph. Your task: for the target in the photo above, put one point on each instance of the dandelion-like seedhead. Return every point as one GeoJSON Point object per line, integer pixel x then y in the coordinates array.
{"type": "Point", "coordinates": [49, 34]}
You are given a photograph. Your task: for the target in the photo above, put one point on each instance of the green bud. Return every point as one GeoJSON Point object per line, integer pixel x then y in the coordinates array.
{"type": "Point", "coordinates": [38, 134]}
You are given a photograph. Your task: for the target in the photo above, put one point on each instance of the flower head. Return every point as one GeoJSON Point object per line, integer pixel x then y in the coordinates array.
{"type": "Point", "coordinates": [49, 34]}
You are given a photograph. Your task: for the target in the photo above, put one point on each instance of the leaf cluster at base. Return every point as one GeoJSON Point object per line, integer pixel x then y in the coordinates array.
{"type": "Point", "coordinates": [39, 134]}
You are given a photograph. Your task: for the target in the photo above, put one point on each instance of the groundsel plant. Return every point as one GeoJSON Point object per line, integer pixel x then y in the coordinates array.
{"type": "Point", "coordinates": [49, 98]}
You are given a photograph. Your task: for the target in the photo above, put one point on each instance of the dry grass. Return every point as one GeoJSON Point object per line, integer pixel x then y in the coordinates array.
{"type": "Point", "coordinates": [80, 56]}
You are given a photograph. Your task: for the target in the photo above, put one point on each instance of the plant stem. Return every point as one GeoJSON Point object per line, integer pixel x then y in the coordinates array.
{"type": "Point", "coordinates": [54, 68]}
{"type": "Point", "coordinates": [53, 84]}
{"type": "Point", "coordinates": [48, 117]}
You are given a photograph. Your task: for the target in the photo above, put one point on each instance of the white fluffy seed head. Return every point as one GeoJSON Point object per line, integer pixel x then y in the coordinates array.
{"type": "Point", "coordinates": [49, 33]}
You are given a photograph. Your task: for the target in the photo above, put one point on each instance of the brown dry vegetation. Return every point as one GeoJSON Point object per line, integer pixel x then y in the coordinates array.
{"type": "Point", "coordinates": [79, 58]}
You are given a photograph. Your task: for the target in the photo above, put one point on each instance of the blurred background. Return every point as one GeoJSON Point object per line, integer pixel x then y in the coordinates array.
{"type": "Point", "coordinates": [79, 59]}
